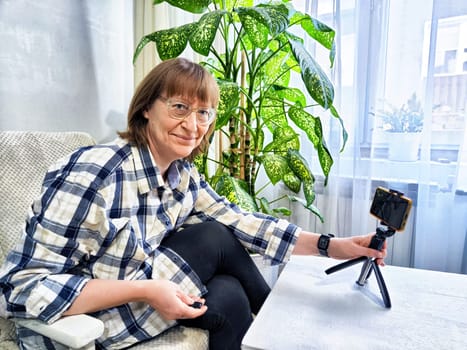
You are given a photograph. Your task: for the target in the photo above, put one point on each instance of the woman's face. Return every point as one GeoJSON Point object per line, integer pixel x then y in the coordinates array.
{"type": "Point", "coordinates": [170, 138]}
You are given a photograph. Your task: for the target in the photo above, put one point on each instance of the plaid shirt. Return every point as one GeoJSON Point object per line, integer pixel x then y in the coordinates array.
{"type": "Point", "coordinates": [102, 214]}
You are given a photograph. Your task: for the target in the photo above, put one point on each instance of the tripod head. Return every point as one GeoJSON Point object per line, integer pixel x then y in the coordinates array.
{"type": "Point", "coordinates": [382, 232]}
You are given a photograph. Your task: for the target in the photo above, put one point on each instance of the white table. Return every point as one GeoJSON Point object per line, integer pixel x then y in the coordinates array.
{"type": "Point", "coordinates": [308, 309]}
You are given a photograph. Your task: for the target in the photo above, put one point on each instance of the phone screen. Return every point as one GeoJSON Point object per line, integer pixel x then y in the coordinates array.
{"type": "Point", "coordinates": [391, 208]}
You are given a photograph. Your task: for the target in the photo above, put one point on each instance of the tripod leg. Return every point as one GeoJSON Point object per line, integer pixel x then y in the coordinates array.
{"type": "Point", "coordinates": [345, 264]}
{"type": "Point", "coordinates": [365, 272]}
{"type": "Point", "coordinates": [381, 284]}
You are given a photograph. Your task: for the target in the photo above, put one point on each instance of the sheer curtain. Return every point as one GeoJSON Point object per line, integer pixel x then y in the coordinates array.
{"type": "Point", "coordinates": [390, 52]}
{"type": "Point", "coordinates": [66, 65]}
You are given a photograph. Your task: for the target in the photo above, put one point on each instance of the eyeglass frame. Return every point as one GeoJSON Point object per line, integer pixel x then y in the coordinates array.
{"type": "Point", "coordinates": [169, 102]}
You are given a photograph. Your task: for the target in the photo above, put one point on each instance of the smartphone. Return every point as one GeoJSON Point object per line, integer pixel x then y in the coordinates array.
{"type": "Point", "coordinates": [391, 207]}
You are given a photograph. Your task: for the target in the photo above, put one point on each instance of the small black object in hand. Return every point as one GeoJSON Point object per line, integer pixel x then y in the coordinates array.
{"type": "Point", "coordinates": [197, 305]}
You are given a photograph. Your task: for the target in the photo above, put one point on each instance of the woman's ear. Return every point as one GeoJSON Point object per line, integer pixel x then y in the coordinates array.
{"type": "Point", "coordinates": [145, 114]}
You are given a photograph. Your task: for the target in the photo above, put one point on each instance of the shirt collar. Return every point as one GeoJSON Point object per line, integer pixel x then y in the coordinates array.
{"type": "Point", "coordinates": [148, 175]}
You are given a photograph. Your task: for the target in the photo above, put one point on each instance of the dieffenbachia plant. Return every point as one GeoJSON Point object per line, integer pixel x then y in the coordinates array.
{"type": "Point", "coordinates": [254, 65]}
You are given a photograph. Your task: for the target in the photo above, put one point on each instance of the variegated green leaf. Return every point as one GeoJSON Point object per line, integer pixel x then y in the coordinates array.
{"type": "Point", "coordinates": [170, 43]}
{"type": "Point", "coordinates": [283, 211]}
{"type": "Point", "coordinates": [193, 6]}
{"type": "Point", "coordinates": [283, 139]}
{"type": "Point", "coordinates": [317, 83]}
{"type": "Point", "coordinates": [272, 112]}
{"type": "Point", "coordinates": [203, 34]}
{"type": "Point", "coordinates": [265, 207]}
{"type": "Point", "coordinates": [309, 193]}
{"type": "Point", "coordinates": [292, 181]}
{"type": "Point", "coordinates": [276, 16]}
{"type": "Point", "coordinates": [299, 166]}
{"type": "Point", "coordinates": [293, 95]}
{"type": "Point", "coordinates": [313, 128]}
{"type": "Point", "coordinates": [306, 122]}
{"type": "Point", "coordinates": [275, 71]}
{"type": "Point", "coordinates": [275, 166]}
{"type": "Point", "coordinates": [235, 192]}
{"type": "Point", "coordinates": [142, 43]}
{"type": "Point", "coordinates": [255, 25]}
{"type": "Point", "coordinates": [315, 29]}
{"type": "Point", "coordinates": [228, 103]}
{"type": "Point", "coordinates": [310, 207]}
{"type": "Point", "coordinates": [345, 136]}
{"type": "Point", "coordinates": [263, 20]}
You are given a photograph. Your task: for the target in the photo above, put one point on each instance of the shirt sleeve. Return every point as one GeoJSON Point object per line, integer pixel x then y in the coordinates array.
{"type": "Point", "coordinates": [272, 237]}
{"type": "Point", "coordinates": [62, 229]}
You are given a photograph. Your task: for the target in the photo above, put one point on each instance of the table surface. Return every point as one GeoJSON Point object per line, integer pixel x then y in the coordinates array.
{"type": "Point", "coordinates": [308, 309]}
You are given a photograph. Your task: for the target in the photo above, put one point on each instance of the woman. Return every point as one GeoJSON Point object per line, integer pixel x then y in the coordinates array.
{"type": "Point", "coordinates": [129, 231]}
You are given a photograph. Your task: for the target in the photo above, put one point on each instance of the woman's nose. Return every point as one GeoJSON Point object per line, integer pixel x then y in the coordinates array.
{"type": "Point", "coordinates": [190, 121]}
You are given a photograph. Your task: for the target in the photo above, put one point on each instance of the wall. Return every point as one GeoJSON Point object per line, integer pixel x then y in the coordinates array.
{"type": "Point", "coordinates": [66, 65]}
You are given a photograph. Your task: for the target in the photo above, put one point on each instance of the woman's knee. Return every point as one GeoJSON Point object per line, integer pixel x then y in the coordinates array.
{"type": "Point", "coordinates": [215, 232]}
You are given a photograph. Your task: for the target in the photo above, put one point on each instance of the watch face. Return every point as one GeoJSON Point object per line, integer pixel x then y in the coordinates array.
{"type": "Point", "coordinates": [323, 243]}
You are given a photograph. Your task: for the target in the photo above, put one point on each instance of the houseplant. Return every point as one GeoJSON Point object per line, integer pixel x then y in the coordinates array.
{"type": "Point", "coordinates": [254, 68]}
{"type": "Point", "coordinates": [403, 126]}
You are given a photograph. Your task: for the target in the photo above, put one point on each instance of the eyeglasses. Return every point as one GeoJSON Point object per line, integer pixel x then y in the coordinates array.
{"type": "Point", "coordinates": [179, 110]}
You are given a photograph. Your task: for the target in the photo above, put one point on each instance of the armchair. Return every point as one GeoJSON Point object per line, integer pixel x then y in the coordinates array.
{"type": "Point", "coordinates": [24, 159]}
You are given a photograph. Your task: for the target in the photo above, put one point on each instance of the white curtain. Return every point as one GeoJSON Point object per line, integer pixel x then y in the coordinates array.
{"type": "Point", "coordinates": [66, 65]}
{"type": "Point", "coordinates": [387, 51]}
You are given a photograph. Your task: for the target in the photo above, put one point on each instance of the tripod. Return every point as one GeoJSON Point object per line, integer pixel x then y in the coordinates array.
{"type": "Point", "coordinates": [369, 264]}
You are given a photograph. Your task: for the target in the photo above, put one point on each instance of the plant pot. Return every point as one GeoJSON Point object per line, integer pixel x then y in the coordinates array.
{"type": "Point", "coordinates": [403, 147]}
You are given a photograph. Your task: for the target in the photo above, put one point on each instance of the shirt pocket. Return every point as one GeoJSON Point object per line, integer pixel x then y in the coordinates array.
{"type": "Point", "coordinates": [124, 255]}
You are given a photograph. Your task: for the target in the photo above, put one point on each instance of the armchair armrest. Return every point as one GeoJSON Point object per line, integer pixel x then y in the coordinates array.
{"type": "Point", "coordinates": [77, 331]}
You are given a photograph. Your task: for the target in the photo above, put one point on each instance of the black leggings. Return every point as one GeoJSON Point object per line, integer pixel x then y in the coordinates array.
{"type": "Point", "coordinates": [236, 288]}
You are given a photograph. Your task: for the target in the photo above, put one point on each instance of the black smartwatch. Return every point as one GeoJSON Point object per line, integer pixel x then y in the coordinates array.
{"type": "Point", "coordinates": [323, 243]}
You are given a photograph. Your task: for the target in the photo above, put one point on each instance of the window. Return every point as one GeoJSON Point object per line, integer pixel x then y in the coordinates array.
{"type": "Point", "coordinates": [399, 58]}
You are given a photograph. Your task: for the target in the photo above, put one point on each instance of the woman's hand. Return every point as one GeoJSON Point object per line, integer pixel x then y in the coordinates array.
{"type": "Point", "coordinates": [169, 300]}
{"type": "Point", "coordinates": [354, 247]}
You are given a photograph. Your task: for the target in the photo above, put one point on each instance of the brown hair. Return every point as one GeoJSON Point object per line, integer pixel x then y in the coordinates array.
{"type": "Point", "coordinates": [177, 76]}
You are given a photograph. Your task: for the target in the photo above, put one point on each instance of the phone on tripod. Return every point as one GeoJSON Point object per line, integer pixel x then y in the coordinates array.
{"type": "Point", "coordinates": [391, 207]}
